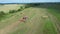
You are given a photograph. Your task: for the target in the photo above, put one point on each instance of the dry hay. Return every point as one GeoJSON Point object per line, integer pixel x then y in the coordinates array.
{"type": "Point", "coordinates": [44, 17]}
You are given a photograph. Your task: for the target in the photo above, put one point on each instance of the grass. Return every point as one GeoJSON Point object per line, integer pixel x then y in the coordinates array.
{"type": "Point", "coordinates": [55, 12]}
{"type": "Point", "coordinates": [22, 28]}
{"type": "Point", "coordinates": [49, 28]}
{"type": "Point", "coordinates": [4, 21]}
{"type": "Point", "coordinates": [23, 25]}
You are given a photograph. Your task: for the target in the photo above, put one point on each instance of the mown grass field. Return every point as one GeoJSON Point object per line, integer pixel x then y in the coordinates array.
{"type": "Point", "coordinates": [56, 13]}
{"type": "Point", "coordinates": [35, 24]}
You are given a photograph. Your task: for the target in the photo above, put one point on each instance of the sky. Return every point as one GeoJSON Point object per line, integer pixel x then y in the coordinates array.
{"type": "Point", "coordinates": [27, 1]}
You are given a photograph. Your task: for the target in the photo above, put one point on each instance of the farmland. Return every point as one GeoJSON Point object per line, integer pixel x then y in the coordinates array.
{"type": "Point", "coordinates": [35, 24]}
{"type": "Point", "coordinates": [8, 7]}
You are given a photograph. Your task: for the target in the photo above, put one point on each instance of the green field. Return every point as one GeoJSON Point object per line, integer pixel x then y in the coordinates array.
{"type": "Point", "coordinates": [35, 24]}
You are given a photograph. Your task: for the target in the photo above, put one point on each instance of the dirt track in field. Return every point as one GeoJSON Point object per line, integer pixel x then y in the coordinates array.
{"type": "Point", "coordinates": [32, 24]}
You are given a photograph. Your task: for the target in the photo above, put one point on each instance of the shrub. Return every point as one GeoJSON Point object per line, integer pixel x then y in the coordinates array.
{"type": "Point", "coordinates": [2, 13]}
{"type": "Point", "coordinates": [22, 7]}
{"type": "Point", "coordinates": [19, 10]}
{"type": "Point", "coordinates": [12, 11]}
{"type": "Point", "coordinates": [26, 6]}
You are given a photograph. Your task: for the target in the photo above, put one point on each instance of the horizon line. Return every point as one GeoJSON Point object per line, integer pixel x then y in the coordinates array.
{"type": "Point", "coordinates": [30, 2]}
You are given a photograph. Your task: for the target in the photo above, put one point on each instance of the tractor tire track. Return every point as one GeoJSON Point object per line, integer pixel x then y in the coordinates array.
{"type": "Point", "coordinates": [54, 20]}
